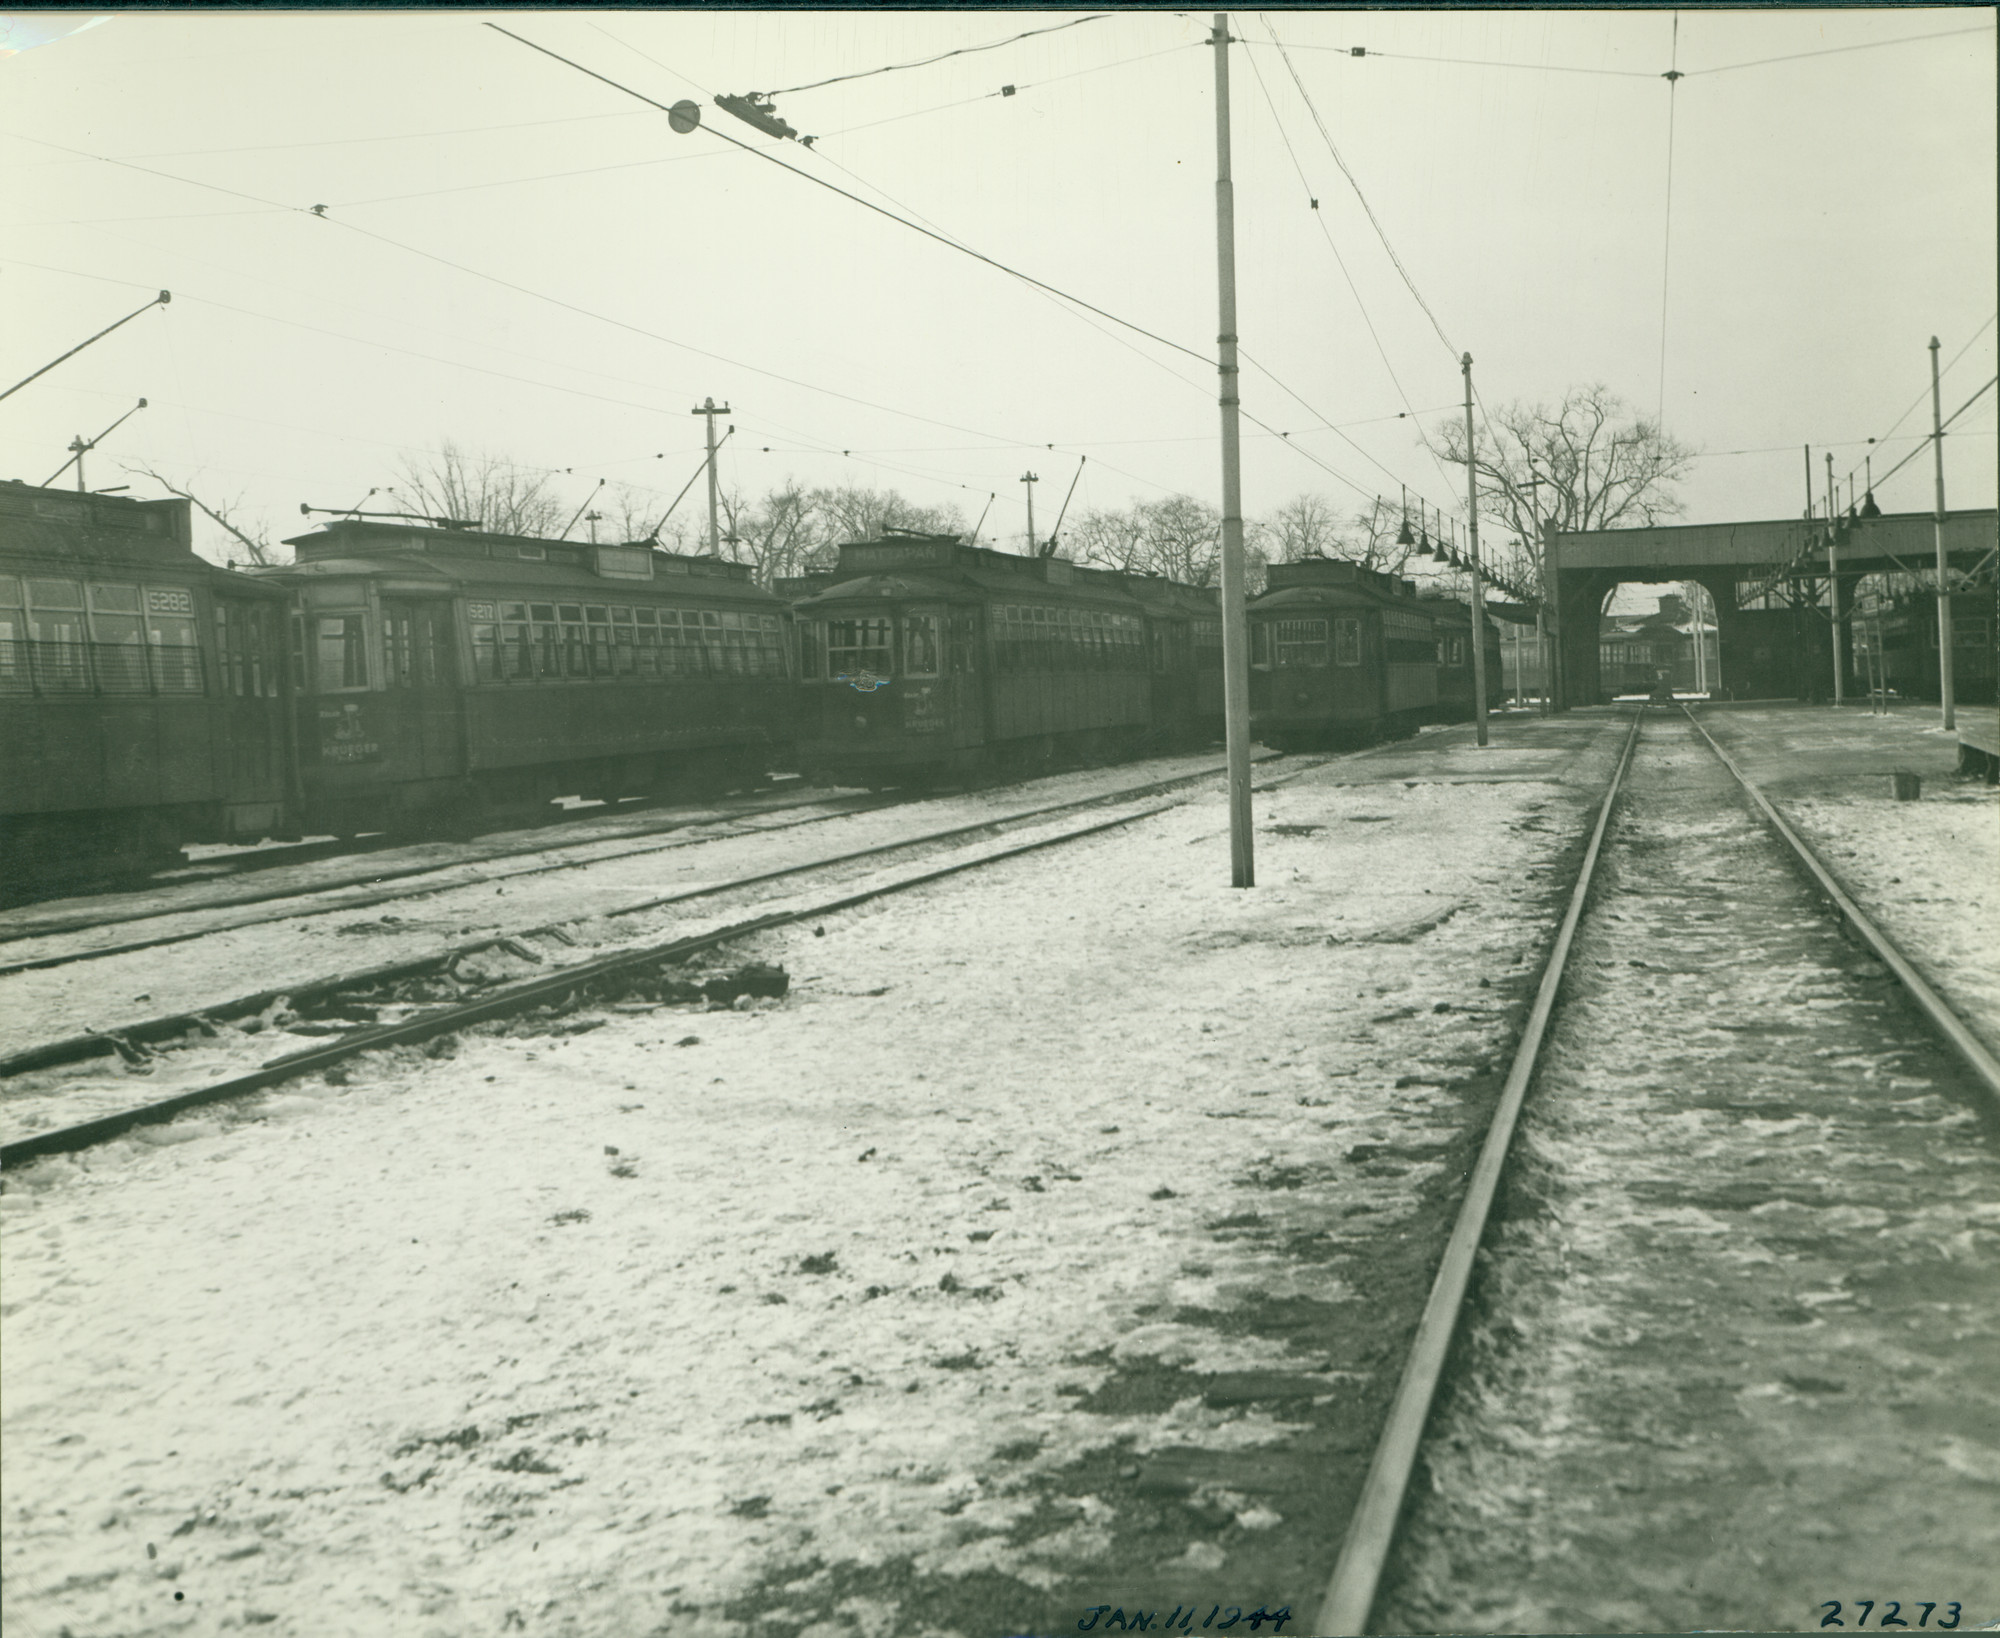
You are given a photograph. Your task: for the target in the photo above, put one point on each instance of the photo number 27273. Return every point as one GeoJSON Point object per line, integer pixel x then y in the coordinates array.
{"type": "Point", "coordinates": [1892, 1614]}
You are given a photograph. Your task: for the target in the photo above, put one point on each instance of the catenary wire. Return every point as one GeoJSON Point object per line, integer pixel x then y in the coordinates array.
{"type": "Point", "coordinates": [821, 182]}
{"type": "Point", "coordinates": [925, 62]}
{"type": "Point", "coordinates": [1341, 261]}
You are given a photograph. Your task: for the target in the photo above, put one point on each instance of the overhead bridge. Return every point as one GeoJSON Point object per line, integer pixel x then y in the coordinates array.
{"type": "Point", "coordinates": [1773, 585]}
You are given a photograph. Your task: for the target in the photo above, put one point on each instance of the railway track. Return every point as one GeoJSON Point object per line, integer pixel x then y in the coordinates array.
{"type": "Point", "coordinates": [433, 995]}
{"type": "Point", "coordinates": [417, 880]}
{"type": "Point", "coordinates": [475, 868]}
{"type": "Point", "coordinates": [1635, 892]}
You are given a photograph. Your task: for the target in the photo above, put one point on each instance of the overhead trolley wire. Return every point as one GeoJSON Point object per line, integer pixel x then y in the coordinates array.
{"type": "Point", "coordinates": [1834, 51]}
{"type": "Point", "coordinates": [1327, 136]}
{"type": "Point", "coordinates": [1914, 402]}
{"type": "Point", "coordinates": [1630, 73]}
{"type": "Point", "coordinates": [1014, 90]}
{"type": "Point", "coordinates": [916, 227]}
{"type": "Point", "coordinates": [925, 62]}
{"type": "Point", "coordinates": [1353, 290]}
{"type": "Point", "coordinates": [832, 187]}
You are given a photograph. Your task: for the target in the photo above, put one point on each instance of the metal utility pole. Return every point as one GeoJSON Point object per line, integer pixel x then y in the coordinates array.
{"type": "Point", "coordinates": [1472, 563]}
{"type": "Point", "coordinates": [1945, 680]}
{"type": "Point", "coordinates": [1029, 480]}
{"type": "Point", "coordinates": [711, 409]}
{"type": "Point", "coordinates": [1833, 584]}
{"type": "Point", "coordinates": [1235, 627]}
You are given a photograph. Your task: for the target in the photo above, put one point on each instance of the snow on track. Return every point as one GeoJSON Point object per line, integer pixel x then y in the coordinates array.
{"type": "Point", "coordinates": [598, 1333]}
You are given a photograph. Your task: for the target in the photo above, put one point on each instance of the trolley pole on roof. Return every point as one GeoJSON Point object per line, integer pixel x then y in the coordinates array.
{"type": "Point", "coordinates": [711, 409]}
{"type": "Point", "coordinates": [1472, 563]}
{"type": "Point", "coordinates": [1945, 690]}
{"type": "Point", "coordinates": [1235, 629]}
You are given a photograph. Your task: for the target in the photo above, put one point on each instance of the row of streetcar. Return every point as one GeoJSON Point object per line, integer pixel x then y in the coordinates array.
{"type": "Point", "coordinates": [407, 678]}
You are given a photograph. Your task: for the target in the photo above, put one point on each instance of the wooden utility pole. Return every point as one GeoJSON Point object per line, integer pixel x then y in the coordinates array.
{"type": "Point", "coordinates": [1833, 584]}
{"type": "Point", "coordinates": [711, 409]}
{"type": "Point", "coordinates": [1235, 627]}
{"type": "Point", "coordinates": [1472, 563]}
{"type": "Point", "coordinates": [1945, 678]}
{"type": "Point", "coordinates": [1028, 482]}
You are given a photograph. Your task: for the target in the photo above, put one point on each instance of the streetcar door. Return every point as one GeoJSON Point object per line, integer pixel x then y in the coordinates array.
{"type": "Point", "coordinates": [420, 664]}
{"type": "Point", "coordinates": [925, 689]}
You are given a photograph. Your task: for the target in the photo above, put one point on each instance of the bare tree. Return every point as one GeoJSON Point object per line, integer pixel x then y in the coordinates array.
{"type": "Point", "coordinates": [777, 533]}
{"type": "Point", "coordinates": [1111, 540]}
{"type": "Point", "coordinates": [1588, 463]}
{"type": "Point", "coordinates": [855, 513]}
{"type": "Point", "coordinates": [1178, 537]}
{"type": "Point", "coordinates": [1308, 526]}
{"type": "Point", "coordinates": [483, 489]}
{"type": "Point", "coordinates": [258, 545]}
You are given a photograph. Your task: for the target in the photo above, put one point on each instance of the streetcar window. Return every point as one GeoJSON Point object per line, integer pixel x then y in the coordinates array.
{"type": "Point", "coordinates": [55, 594]}
{"type": "Point", "coordinates": [119, 632]}
{"type": "Point", "coordinates": [735, 655]}
{"type": "Point", "coordinates": [624, 652]}
{"type": "Point", "coordinates": [920, 645]}
{"type": "Point", "coordinates": [1346, 642]}
{"type": "Point", "coordinates": [341, 661]}
{"type": "Point", "coordinates": [398, 648]}
{"type": "Point", "coordinates": [812, 639]}
{"type": "Point", "coordinates": [680, 651]}
{"type": "Point", "coordinates": [1260, 643]}
{"type": "Point", "coordinates": [711, 637]}
{"type": "Point", "coordinates": [13, 636]}
{"type": "Point", "coordinates": [544, 642]}
{"type": "Point", "coordinates": [55, 628]}
{"type": "Point", "coordinates": [964, 643]}
{"type": "Point", "coordinates": [575, 662]}
{"type": "Point", "coordinates": [485, 651]}
{"type": "Point", "coordinates": [1303, 643]}
{"type": "Point", "coordinates": [854, 646]}
{"type": "Point", "coordinates": [646, 625]}
{"type": "Point", "coordinates": [599, 620]}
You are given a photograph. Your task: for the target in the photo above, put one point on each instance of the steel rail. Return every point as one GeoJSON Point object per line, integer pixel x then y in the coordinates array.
{"type": "Point", "coordinates": [644, 840]}
{"type": "Point", "coordinates": [367, 900]}
{"type": "Point", "coordinates": [97, 1043]}
{"type": "Point", "coordinates": [308, 853]}
{"type": "Point", "coordinates": [1371, 1529]}
{"type": "Point", "coordinates": [512, 998]}
{"type": "Point", "coordinates": [1957, 1034]}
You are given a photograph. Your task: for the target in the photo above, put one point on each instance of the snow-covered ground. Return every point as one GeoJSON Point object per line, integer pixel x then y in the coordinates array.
{"type": "Point", "coordinates": [1928, 871]}
{"type": "Point", "coordinates": [800, 1318]}
{"type": "Point", "coordinates": [469, 901]}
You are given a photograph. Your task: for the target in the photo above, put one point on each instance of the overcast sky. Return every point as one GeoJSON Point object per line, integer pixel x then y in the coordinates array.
{"type": "Point", "coordinates": [526, 260]}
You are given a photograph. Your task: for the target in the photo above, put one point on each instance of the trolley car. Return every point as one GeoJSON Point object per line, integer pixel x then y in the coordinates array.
{"type": "Point", "coordinates": [141, 690]}
{"type": "Point", "coordinates": [1340, 654]}
{"type": "Point", "coordinates": [444, 675]}
{"type": "Point", "coordinates": [922, 657]}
